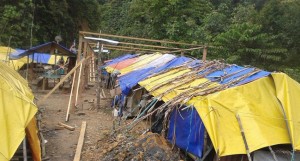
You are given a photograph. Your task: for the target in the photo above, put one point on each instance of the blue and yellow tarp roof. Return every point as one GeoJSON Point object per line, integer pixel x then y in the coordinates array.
{"type": "Point", "coordinates": [265, 102]}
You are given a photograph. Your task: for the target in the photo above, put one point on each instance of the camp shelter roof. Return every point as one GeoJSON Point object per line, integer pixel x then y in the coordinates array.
{"type": "Point", "coordinates": [45, 48]}
{"type": "Point", "coordinates": [143, 61]}
{"type": "Point", "coordinates": [260, 112]}
{"type": "Point", "coordinates": [120, 65]}
{"type": "Point", "coordinates": [17, 111]}
{"type": "Point", "coordinates": [164, 62]}
{"type": "Point", "coordinates": [5, 52]}
{"type": "Point", "coordinates": [120, 58]}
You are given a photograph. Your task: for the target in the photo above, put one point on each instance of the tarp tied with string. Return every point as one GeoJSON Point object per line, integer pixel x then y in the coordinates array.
{"type": "Point", "coordinates": [17, 112]}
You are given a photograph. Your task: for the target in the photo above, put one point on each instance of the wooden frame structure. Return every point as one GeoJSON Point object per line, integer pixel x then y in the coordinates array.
{"type": "Point", "coordinates": [86, 73]}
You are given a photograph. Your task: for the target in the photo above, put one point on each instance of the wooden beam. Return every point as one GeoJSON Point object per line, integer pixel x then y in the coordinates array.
{"type": "Point", "coordinates": [135, 49]}
{"type": "Point", "coordinates": [80, 142]}
{"type": "Point", "coordinates": [145, 45]}
{"type": "Point", "coordinates": [136, 38]}
{"type": "Point", "coordinates": [181, 50]}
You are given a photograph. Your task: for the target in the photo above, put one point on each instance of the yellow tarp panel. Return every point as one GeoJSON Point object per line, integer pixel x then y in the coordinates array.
{"type": "Point", "coordinates": [52, 59]}
{"type": "Point", "coordinates": [143, 60]}
{"type": "Point", "coordinates": [260, 113]}
{"type": "Point", "coordinates": [15, 64]}
{"type": "Point", "coordinates": [149, 83]}
{"type": "Point", "coordinates": [288, 92]}
{"type": "Point", "coordinates": [16, 110]}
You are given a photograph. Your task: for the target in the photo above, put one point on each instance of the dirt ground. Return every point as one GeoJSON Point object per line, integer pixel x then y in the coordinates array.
{"type": "Point", "coordinates": [61, 143]}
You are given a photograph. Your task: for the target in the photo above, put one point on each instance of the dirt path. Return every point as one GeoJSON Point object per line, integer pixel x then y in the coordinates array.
{"type": "Point", "coordinates": [61, 143]}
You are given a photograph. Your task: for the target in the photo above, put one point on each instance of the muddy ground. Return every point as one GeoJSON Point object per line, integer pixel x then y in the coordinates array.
{"type": "Point", "coordinates": [101, 142]}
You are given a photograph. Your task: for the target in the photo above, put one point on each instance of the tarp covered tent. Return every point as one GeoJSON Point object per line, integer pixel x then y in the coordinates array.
{"type": "Point", "coordinates": [5, 53]}
{"type": "Point", "coordinates": [234, 90]}
{"type": "Point", "coordinates": [44, 53]}
{"type": "Point", "coordinates": [264, 106]}
{"type": "Point", "coordinates": [17, 112]}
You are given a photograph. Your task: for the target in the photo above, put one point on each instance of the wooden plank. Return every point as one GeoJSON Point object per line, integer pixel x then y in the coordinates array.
{"type": "Point", "coordinates": [80, 142]}
{"type": "Point", "coordinates": [67, 126]}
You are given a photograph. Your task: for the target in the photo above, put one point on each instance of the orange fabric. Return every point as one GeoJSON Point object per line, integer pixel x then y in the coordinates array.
{"type": "Point", "coordinates": [123, 64]}
{"type": "Point", "coordinates": [33, 139]}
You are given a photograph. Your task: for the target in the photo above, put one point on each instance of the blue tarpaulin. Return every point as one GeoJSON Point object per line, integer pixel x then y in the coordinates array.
{"type": "Point", "coordinates": [234, 72]}
{"type": "Point", "coordinates": [186, 130]}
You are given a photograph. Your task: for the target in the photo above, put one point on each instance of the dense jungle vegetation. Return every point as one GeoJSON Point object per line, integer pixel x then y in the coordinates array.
{"type": "Point", "coordinates": [261, 33]}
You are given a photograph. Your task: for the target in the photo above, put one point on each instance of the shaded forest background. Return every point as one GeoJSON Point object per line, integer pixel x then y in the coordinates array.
{"type": "Point", "coordinates": [261, 33]}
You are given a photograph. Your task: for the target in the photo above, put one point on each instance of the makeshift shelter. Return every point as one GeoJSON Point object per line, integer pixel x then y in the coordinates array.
{"type": "Point", "coordinates": [242, 109]}
{"type": "Point", "coordinates": [5, 53]}
{"type": "Point", "coordinates": [17, 115]}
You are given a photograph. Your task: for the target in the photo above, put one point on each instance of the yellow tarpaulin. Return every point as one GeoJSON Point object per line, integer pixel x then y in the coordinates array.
{"type": "Point", "coordinates": [172, 87]}
{"type": "Point", "coordinates": [4, 57]}
{"type": "Point", "coordinates": [288, 92]}
{"type": "Point", "coordinates": [259, 110]}
{"type": "Point", "coordinates": [143, 60]}
{"type": "Point", "coordinates": [16, 111]}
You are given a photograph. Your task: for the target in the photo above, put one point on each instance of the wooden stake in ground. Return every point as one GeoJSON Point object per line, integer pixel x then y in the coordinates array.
{"type": "Point", "coordinates": [80, 142]}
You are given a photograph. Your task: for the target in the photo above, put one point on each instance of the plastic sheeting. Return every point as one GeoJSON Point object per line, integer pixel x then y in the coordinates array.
{"type": "Point", "coordinates": [4, 56]}
{"type": "Point", "coordinates": [119, 59]}
{"type": "Point", "coordinates": [120, 65]}
{"type": "Point", "coordinates": [44, 58]}
{"type": "Point", "coordinates": [260, 113]}
{"type": "Point", "coordinates": [128, 81]}
{"type": "Point", "coordinates": [16, 111]}
{"type": "Point", "coordinates": [288, 93]}
{"type": "Point", "coordinates": [186, 130]}
{"type": "Point", "coordinates": [143, 61]}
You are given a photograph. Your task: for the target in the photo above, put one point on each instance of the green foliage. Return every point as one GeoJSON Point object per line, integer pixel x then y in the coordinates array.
{"type": "Point", "coordinates": [262, 33]}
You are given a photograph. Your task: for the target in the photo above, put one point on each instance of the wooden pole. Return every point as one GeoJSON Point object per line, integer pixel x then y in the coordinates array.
{"type": "Point", "coordinates": [244, 137]}
{"type": "Point", "coordinates": [71, 95]}
{"type": "Point", "coordinates": [79, 52]}
{"type": "Point", "coordinates": [79, 75]}
{"type": "Point", "coordinates": [61, 81]}
{"type": "Point", "coordinates": [131, 48]}
{"type": "Point", "coordinates": [99, 74]}
{"type": "Point", "coordinates": [136, 38]}
{"type": "Point", "coordinates": [204, 54]}
{"type": "Point", "coordinates": [80, 142]}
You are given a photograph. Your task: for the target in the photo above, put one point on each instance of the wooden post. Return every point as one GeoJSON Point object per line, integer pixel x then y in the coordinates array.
{"type": "Point", "coordinates": [80, 142]}
{"type": "Point", "coordinates": [79, 88]}
{"type": "Point", "coordinates": [27, 66]}
{"type": "Point", "coordinates": [99, 74]}
{"type": "Point", "coordinates": [244, 137]}
{"type": "Point", "coordinates": [204, 54]}
{"type": "Point", "coordinates": [76, 77]}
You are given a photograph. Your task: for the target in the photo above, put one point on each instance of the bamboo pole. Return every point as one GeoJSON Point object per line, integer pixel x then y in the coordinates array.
{"type": "Point", "coordinates": [136, 38]}
{"type": "Point", "coordinates": [244, 137]}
